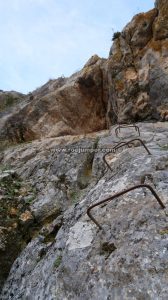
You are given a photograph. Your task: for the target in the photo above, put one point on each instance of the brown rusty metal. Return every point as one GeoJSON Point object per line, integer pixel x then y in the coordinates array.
{"type": "Point", "coordinates": [126, 126]}
{"type": "Point", "coordinates": [105, 161]}
{"type": "Point", "coordinates": [120, 194]}
{"type": "Point", "coordinates": [120, 145]}
{"type": "Point", "coordinates": [129, 143]}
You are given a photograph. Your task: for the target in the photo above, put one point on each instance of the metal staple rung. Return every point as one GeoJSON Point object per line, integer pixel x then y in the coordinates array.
{"type": "Point", "coordinates": [126, 126]}
{"type": "Point", "coordinates": [120, 194]}
{"type": "Point", "coordinates": [121, 144]}
{"type": "Point", "coordinates": [130, 142]}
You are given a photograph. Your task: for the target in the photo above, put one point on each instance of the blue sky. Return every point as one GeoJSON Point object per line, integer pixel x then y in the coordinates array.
{"type": "Point", "coordinates": [44, 39]}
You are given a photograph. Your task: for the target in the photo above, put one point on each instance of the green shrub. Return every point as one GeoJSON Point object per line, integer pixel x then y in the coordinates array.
{"type": "Point", "coordinates": [116, 35]}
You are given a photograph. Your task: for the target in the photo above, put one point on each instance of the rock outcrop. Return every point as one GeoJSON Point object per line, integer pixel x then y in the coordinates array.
{"type": "Point", "coordinates": [64, 106]}
{"type": "Point", "coordinates": [137, 68]}
{"type": "Point", "coordinates": [69, 257]}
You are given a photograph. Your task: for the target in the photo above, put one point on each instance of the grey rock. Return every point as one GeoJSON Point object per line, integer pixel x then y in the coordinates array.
{"type": "Point", "coordinates": [71, 259]}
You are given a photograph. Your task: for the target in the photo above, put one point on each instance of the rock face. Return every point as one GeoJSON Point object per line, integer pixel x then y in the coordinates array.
{"type": "Point", "coordinates": [137, 67]}
{"type": "Point", "coordinates": [160, 25]}
{"type": "Point", "coordinates": [131, 85]}
{"type": "Point", "coordinates": [55, 180]}
{"type": "Point", "coordinates": [69, 257]}
{"type": "Point", "coordinates": [66, 106]}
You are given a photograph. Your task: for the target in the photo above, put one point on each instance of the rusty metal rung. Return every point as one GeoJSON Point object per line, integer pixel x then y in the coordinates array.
{"type": "Point", "coordinates": [130, 142]}
{"type": "Point", "coordinates": [120, 194]}
{"type": "Point", "coordinates": [126, 126]}
{"type": "Point", "coordinates": [105, 161]}
{"type": "Point", "coordinates": [120, 145]}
